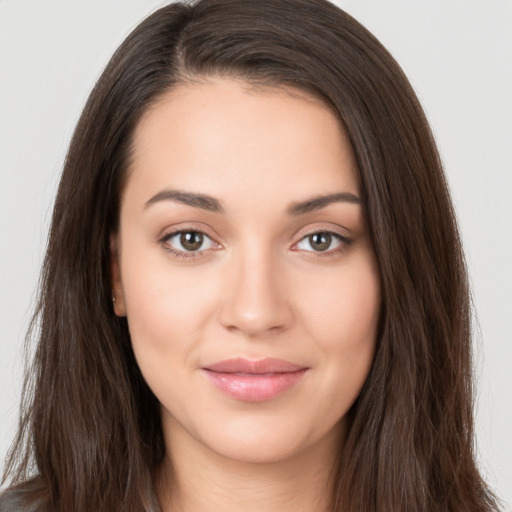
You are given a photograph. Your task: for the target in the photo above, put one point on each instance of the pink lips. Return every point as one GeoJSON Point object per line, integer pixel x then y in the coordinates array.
{"type": "Point", "coordinates": [254, 381]}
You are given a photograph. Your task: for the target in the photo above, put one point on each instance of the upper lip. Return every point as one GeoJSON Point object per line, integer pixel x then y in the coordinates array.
{"type": "Point", "coordinates": [241, 365]}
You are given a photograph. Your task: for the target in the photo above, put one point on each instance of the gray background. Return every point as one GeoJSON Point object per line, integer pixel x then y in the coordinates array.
{"type": "Point", "coordinates": [458, 56]}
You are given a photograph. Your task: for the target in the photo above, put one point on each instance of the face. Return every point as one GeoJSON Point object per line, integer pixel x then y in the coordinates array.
{"type": "Point", "coordinates": [244, 267]}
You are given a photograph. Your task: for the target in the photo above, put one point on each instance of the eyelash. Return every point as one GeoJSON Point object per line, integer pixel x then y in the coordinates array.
{"type": "Point", "coordinates": [186, 255]}
{"type": "Point", "coordinates": [344, 242]}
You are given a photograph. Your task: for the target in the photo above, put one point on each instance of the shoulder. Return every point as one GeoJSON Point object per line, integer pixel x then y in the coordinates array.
{"type": "Point", "coordinates": [16, 501]}
{"type": "Point", "coordinates": [12, 501]}
{"type": "Point", "coordinates": [26, 497]}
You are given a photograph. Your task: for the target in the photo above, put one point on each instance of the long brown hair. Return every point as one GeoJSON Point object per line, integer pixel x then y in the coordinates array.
{"type": "Point", "coordinates": [90, 435]}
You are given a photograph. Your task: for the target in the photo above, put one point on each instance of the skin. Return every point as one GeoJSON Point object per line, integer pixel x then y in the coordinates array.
{"type": "Point", "coordinates": [256, 288]}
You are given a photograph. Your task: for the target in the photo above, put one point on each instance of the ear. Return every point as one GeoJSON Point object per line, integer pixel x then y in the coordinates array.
{"type": "Point", "coordinates": [118, 301]}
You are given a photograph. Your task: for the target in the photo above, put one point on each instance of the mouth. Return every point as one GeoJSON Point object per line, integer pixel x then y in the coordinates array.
{"type": "Point", "coordinates": [254, 381]}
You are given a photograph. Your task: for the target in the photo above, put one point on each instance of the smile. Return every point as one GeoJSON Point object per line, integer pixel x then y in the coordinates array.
{"type": "Point", "coordinates": [254, 381]}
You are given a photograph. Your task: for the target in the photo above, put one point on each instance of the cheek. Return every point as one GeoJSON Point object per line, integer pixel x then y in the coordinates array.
{"type": "Point", "coordinates": [342, 316]}
{"type": "Point", "coordinates": [166, 308]}
{"type": "Point", "coordinates": [343, 312]}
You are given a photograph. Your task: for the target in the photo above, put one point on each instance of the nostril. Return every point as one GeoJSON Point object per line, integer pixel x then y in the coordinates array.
{"type": "Point", "coordinates": [255, 318]}
{"type": "Point", "coordinates": [255, 301]}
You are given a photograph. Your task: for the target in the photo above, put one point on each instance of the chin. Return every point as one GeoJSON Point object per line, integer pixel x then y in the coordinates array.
{"type": "Point", "coordinates": [266, 440]}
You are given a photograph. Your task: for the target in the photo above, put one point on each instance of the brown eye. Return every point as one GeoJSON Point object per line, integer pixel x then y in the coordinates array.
{"type": "Point", "coordinates": [191, 240]}
{"type": "Point", "coordinates": [184, 242]}
{"type": "Point", "coordinates": [323, 242]}
{"type": "Point", "coordinates": [320, 241]}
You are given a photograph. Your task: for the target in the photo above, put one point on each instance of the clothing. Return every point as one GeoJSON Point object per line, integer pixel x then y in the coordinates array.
{"type": "Point", "coordinates": [14, 500]}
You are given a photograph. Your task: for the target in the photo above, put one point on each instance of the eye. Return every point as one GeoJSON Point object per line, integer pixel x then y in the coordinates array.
{"type": "Point", "coordinates": [322, 242]}
{"type": "Point", "coordinates": [189, 241]}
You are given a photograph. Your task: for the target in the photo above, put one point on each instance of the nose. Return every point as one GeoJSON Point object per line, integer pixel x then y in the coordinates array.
{"type": "Point", "coordinates": [255, 302]}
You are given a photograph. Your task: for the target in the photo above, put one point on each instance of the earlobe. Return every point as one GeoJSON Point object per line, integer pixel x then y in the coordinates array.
{"type": "Point", "coordinates": [118, 302]}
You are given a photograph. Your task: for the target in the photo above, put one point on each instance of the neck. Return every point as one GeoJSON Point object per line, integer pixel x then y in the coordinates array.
{"type": "Point", "coordinates": [196, 479]}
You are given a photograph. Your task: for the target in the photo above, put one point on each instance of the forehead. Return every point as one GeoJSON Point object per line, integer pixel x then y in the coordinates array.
{"type": "Point", "coordinates": [223, 137]}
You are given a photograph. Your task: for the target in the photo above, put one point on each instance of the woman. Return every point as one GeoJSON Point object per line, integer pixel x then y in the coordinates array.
{"type": "Point", "coordinates": [254, 295]}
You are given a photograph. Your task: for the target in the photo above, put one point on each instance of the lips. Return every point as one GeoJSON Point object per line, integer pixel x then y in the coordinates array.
{"type": "Point", "coordinates": [254, 381]}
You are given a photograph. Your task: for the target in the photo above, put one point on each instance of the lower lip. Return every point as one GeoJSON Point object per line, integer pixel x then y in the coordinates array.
{"type": "Point", "coordinates": [254, 387]}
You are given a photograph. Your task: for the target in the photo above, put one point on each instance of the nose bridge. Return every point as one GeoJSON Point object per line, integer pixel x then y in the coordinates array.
{"type": "Point", "coordinates": [256, 301]}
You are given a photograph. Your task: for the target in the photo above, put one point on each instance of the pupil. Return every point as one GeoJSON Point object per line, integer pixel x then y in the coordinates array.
{"type": "Point", "coordinates": [191, 241]}
{"type": "Point", "coordinates": [320, 241]}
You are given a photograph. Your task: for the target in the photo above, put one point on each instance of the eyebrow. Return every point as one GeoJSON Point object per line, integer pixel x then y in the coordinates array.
{"type": "Point", "coordinates": [319, 202]}
{"type": "Point", "coordinates": [189, 198]}
{"type": "Point", "coordinates": [209, 203]}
